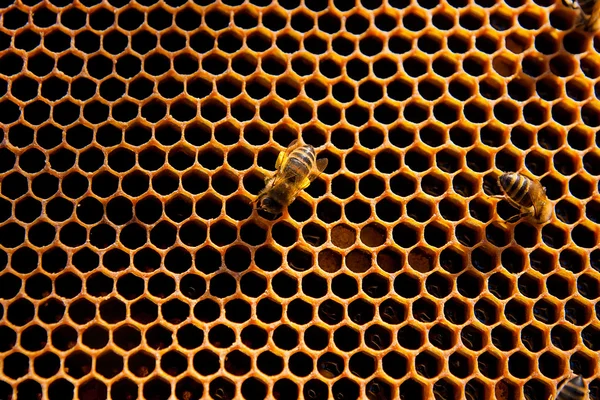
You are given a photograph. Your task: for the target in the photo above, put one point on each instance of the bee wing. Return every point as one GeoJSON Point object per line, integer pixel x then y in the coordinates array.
{"type": "Point", "coordinates": [319, 167]}
{"type": "Point", "coordinates": [535, 192]}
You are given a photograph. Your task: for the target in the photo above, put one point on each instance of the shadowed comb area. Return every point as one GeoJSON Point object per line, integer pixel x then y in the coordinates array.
{"type": "Point", "coordinates": [135, 135]}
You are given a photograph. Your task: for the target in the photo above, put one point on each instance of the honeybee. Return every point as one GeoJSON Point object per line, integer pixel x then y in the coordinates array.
{"type": "Point", "coordinates": [297, 167]}
{"type": "Point", "coordinates": [527, 195]}
{"type": "Point", "coordinates": [589, 13]}
{"type": "Point", "coordinates": [570, 389]}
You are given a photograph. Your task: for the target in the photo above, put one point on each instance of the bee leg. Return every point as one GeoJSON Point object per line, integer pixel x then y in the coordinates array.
{"type": "Point", "coordinates": [517, 217]}
{"type": "Point", "coordinates": [304, 184]}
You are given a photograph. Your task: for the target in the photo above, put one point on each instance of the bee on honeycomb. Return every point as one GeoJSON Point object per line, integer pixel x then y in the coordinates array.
{"type": "Point", "coordinates": [527, 195]}
{"type": "Point", "coordinates": [297, 167]}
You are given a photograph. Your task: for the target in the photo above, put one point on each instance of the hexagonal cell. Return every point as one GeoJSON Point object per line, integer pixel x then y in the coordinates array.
{"type": "Point", "coordinates": [472, 337]}
{"type": "Point", "coordinates": [504, 338]}
{"type": "Point", "coordinates": [141, 364]}
{"type": "Point", "coordinates": [456, 311]}
{"type": "Point", "coordinates": [576, 312]}
{"type": "Point", "coordinates": [78, 364]}
{"type": "Point", "coordinates": [109, 364]}
{"type": "Point", "coordinates": [362, 365]}
{"type": "Point", "coordinates": [460, 365]}
{"type": "Point", "coordinates": [516, 312]}
{"type": "Point", "coordinates": [489, 364]}
{"type": "Point", "coordinates": [533, 338]}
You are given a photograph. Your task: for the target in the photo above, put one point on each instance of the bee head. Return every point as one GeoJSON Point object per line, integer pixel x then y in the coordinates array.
{"type": "Point", "coordinates": [268, 204]}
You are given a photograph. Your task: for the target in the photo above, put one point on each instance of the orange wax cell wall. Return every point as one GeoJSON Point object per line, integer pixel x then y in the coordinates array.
{"type": "Point", "coordinates": [136, 134]}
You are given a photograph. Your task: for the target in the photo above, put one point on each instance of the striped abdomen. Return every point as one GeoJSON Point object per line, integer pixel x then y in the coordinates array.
{"type": "Point", "coordinates": [574, 389]}
{"type": "Point", "coordinates": [300, 162]}
{"type": "Point", "coordinates": [516, 187]}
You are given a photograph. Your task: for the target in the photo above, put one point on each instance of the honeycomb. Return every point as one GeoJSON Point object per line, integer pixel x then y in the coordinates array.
{"type": "Point", "coordinates": [136, 134]}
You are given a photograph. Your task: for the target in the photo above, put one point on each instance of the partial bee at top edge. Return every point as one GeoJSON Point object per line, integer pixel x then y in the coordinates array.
{"type": "Point", "coordinates": [589, 13]}
{"type": "Point", "coordinates": [571, 388]}
{"type": "Point", "coordinates": [527, 195]}
{"type": "Point", "coordinates": [297, 167]}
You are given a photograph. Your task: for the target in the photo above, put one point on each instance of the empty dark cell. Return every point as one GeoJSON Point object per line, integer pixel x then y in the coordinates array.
{"type": "Point", "coordinates": [553, 236]}
{"type": "Point", "coordinates": [253, 389]}
{"type": "Point", "coordinates": [12, 235]}
{"type": "Point", "coordinates": [104, 184]}
{"type": "Point", "coordinates": [102, 235]}
{"type": "Point", "coordinates": [516, 312]}
{"type": "Point", "coordinates": [17, 365]}
{"type": "Point", "coordinates": [548, 89]}
{"type": "Point", "coordinates": [563, 115]}
{"type": "Point", "coordinates": [525, 235]}
{"type": "Point", "coordinates": [330, 68]}
{"type": "Point", "coordinates": [583, 236]}
{"type": "Point", "coordinates": [112, 89]}
{"type": "Point", "coordinates": [492, 90]}
{"type": "Point", "coordinates": [269, 363]}
{"type": "Point", "coordinates": [158, 19]}
{"type": "Point", "coordinates": [591, 163]}
{"type": "Point", "coordinates": [288, 44]}
{"type": "Point", "coordinates": [10, 285]}
{"type": "Point", "coordinates": [43, 233]}
{"type": "Point", "coordinates": [5, 210]}
{"type": "Point", "coordinates": [331, 312]}
{"type": "Point", "coordinates": [173, 42]}
{"type": "Point", "coordinates": [486, 44]}
{"type": "Point", "coordinates": [386, 114]}
{"type": "Point", "coordinates": [25, 88]}
{"type": "Point", "coordinates": [46, 365]}
{"type": "Point", "coordinates": [59, 209]}
{"type": "Point", "coordinates": [357, 69]}
{"type": "Point", "coordinates": [221, 336]}
{"type": "Point", "coordinates": [565, 162]}
{"type": "Point", "coordinates": [119, 210]}
{"type": "Point", "coordinates": [11, 112]}
{"type": "Point", "coordinates": [370, 46]}
{"type": "Point", "coordinates": [115, 42]}
{"type": "Point", "coordinates": [580, 187]}
{"type": "Point", "coordinates": [20, 312]}
{"type": "Point", "coordinates": [23, 260]}
{"type": "Point", "coordinates": [259, 42]}
{"type": "Point", "coordinates": [7, 161]}
{"type": "Point", "coordinates": [88, 42]}
{"type": "Point", "coordinates": [300, 312]}
{"type": "Point", "coordinates": [469, 285]}
{"type": "Point", "coordinates": [157, 64]}
{"type": "Point", "coordinates": [461, 90]}
{"type": "Point", "coordinates": [578, 91]}
{"type": "Point", "coordinates": [163, 235]}
{"type": "Point", "coordinates": [33, 338]}
{"type": "Point", "coordinates": [535, 114]}
{"type": "Point", "coordinates": [165, 183]}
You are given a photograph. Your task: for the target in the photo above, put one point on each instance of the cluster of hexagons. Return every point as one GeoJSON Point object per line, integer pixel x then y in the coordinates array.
{"type": "Point", "coordinates": [136, 134]}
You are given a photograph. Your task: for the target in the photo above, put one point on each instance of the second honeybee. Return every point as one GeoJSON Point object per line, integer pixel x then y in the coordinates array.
{"type": "Point", "coordinates": [589, 13]}
{"type": "Point", "coordinates": [571, 389]}
{"type": "Point", "coordinates": [527, 195]}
